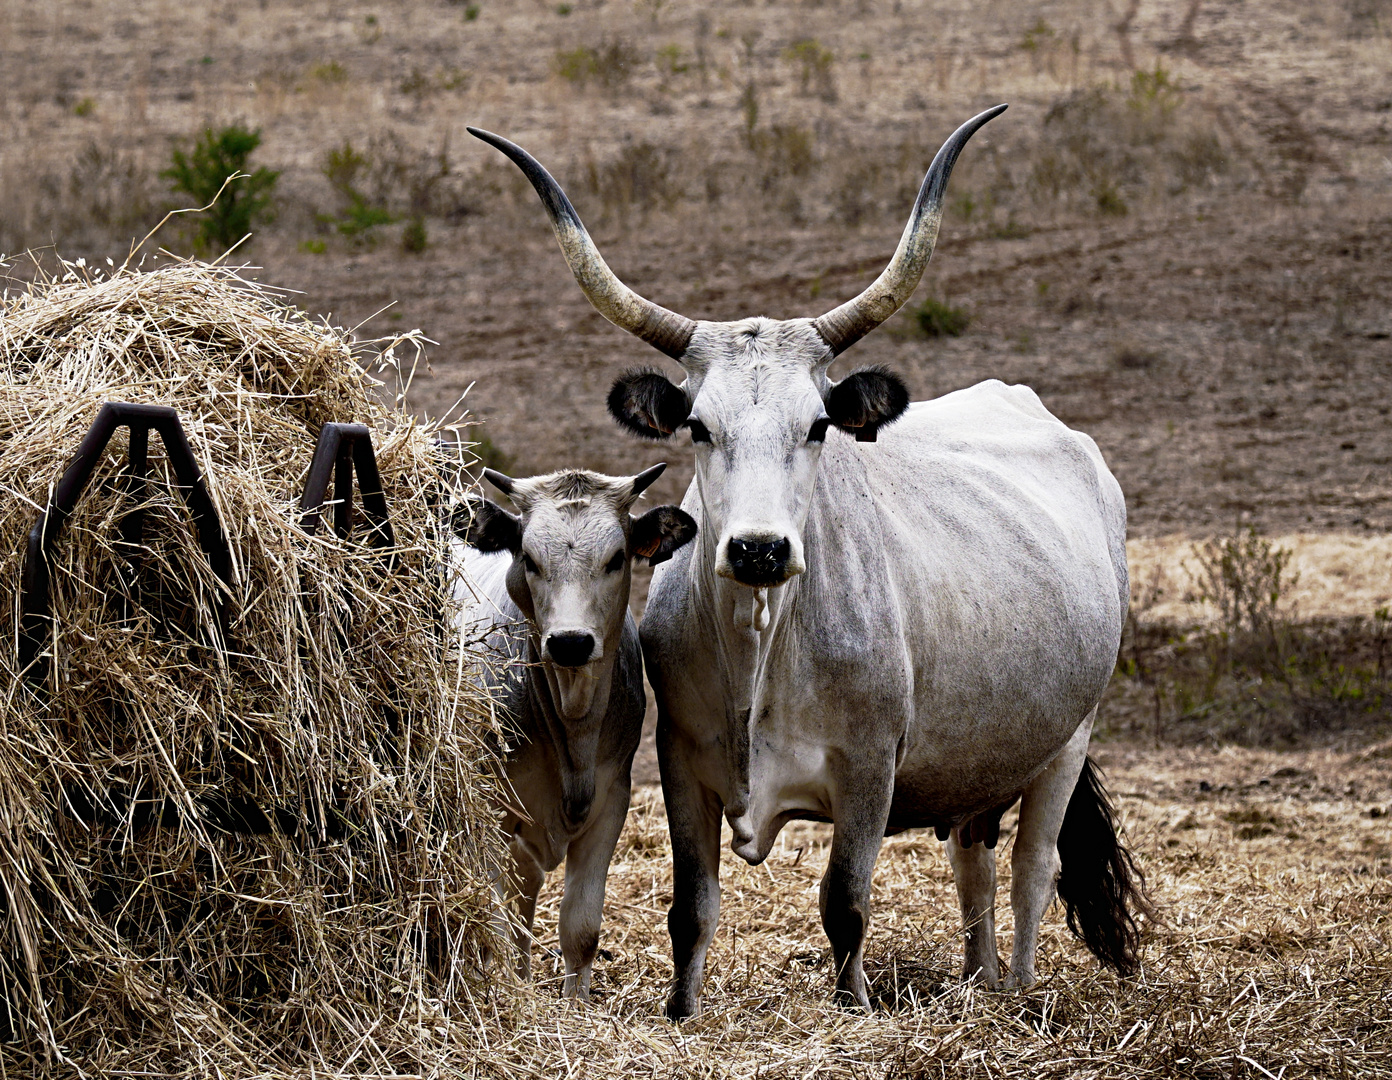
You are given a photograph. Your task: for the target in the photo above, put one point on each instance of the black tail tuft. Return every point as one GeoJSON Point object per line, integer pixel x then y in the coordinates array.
{"type": "Point", "coordinates": [1102, 888]}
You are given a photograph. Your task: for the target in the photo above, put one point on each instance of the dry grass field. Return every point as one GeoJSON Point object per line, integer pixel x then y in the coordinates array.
{"type": "Point", "coordinates": [1180, 235]}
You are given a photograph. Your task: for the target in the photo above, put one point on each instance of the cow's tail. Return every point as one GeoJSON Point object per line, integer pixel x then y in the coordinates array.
{"type": "Point", "coordinates": [1102, 889]}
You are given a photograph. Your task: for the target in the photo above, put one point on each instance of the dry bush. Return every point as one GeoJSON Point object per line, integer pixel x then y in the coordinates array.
{"type": "Point", "coordinates": [250, 825]}
{"type": "Point", "coordinates": [105, 191]}
{"type": "Point", "coordinates": [1255, 674]}
{"type": "Point", "coordinates": [610, 64]}
{"type": "Point", "coordinates": [640, 177]}
{"type": "Point", "coordinates": [1108, 146]}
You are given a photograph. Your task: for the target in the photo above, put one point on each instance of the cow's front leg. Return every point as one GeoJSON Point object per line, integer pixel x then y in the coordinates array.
{"type": "Point", "coordinates": [693, 821]}
{"type": "Point", "coordinates": [582, 906]}
{"type": "Point", "coordinates": [974, 870]}
{"type": "Point", "coordinates": [1034, 858]}
{"type": "Point", "coordinates": [860, 812]}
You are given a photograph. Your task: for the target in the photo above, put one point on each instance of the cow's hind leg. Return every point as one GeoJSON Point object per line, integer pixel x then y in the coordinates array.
{"type": "Point", "coordinates": [1034, 859]}
{"type": "Point", "coordinates": [693, 820]}
{"type": "Point", "coordinates": [974, 870]}
{"type": "Point", "coordinates": [860, 813]}
{"type": "Point", "coordinates": [582, 906]}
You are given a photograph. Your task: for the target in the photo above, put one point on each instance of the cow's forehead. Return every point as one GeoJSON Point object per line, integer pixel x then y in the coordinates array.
{"type": "Point", "coordinates": [756, 361]}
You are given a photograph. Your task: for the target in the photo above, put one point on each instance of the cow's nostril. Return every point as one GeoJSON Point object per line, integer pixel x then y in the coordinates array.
{"type": "Point", "coordinates": [570, 650]}
{"type": "Point", "coordinates": [759, 563]}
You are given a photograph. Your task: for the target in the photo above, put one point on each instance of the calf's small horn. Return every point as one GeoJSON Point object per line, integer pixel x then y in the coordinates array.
{"type": "Point", "coordinates": [842, 327]}
{"type": "Point", "coordinates": [644, 479]}
{"type": "Point", "coordinates": [660, 328]}
{"type": "Point", "coordinates": [501, 481]}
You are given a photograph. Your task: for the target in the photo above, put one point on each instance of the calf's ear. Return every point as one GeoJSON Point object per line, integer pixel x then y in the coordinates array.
{"type": "Point", "coordinates": [647, 403]}
{"type": "Point", "coordinates": [487, 526]}
{"type": "Point", "coordinates": [659, 532]}
{"type": "Point", "coordinates": [866, 400]}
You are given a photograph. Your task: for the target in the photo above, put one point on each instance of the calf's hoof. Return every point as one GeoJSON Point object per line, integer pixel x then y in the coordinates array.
{"type": "Point", "coordinates": [1015, 981]}
{"type": "Point", "coordinates": [851, 998]}
{"type": "Point", "coordinates": [681, 1005]}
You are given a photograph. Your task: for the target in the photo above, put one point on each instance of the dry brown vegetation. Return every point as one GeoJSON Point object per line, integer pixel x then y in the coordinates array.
{"type": "Point", "coordinates": [1224, 339]}
{"type": "Point", "coordinates": [1180, 235]}
{"type": "Point", "coordinates": [248, 821]}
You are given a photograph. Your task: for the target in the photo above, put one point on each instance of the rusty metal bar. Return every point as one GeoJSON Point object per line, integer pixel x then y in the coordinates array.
{"type": "Point", "coordinates": [342, 450]}
{"type": "Point", "coordinates": [35, 581]}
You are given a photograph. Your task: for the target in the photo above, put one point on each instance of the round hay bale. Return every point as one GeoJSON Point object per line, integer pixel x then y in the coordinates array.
{"type": "Point", "coordinates": [245, 826]}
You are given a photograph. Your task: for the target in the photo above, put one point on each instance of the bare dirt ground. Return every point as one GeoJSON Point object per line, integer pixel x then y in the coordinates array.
{"type": "Point", "coordinates": [1180, 235]}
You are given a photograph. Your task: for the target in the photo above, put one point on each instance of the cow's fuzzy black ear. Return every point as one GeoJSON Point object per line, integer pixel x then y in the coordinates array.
{"type": "Point", "coordinates": [487, 526]}
{"type": "Point", "coordinates": [647, 403]}
{"type": "Point", "coordinates": [866, 400]}
{"type": "Point", "coordinates": [659, 532]}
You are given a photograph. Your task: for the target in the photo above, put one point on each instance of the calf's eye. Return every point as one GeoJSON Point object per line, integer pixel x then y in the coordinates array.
{"type": "Point", "coordinates": [817, 432]}
{"type": "Point", "coordinates": [699, 432]}
{"type": "Point", "coordinates": [614, 565]}
{"type": "Point", "coordinates": [529, 564]}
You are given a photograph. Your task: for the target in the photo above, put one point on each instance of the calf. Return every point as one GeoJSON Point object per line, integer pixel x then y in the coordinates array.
{"type": "Point", "coordinates": [549, 589]}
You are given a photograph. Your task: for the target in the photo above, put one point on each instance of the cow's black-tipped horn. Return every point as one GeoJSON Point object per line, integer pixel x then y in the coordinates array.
{"type": "Point", "coordinates": [660, 328]}
{"type": "Point", "coordinates": [842, 327]}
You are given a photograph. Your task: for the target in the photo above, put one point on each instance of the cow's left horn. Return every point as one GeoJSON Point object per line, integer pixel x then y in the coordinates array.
{"type": "Point", "coordinates": [842, 327]}
{"type": "Point", "coordinates": [660, 328]}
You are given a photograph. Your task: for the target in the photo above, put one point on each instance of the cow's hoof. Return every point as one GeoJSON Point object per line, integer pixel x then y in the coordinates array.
{"type": "Point", "coordinates": [1016, 982]}
{"type": "Point", "coordinates": [681, 1005]}
{"type": "Point", "coordinates": [851, 999]}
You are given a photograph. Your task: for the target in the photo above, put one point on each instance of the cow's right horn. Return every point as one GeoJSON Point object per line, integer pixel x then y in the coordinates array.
{"type": "Point", "coordinates": [660, 328]}
{"type": "Point", "coordinates": [842, 327]}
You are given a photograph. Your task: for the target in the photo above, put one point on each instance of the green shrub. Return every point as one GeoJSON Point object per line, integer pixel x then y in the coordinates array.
{"type": "Point", "coordinates": [812, 60]}
{"type": "Point", "coordinates": [358, 215]}
{"type": "Point", "coordinates": [937, 318]}
{"type": "Point", "coordinates": [331, 73]}
{"type": "Point", "coordinates": [1037, 35]}
{"type": "Point", "coordinates": [413, 237]}
{"type": "Point", "coordinates": [611, 64]}
{"type": "Point", "coordinates": [218, 163]}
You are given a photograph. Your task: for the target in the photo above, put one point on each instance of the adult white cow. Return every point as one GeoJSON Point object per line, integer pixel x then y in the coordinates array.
{"type": "Point", "coordinates": [548, 589]}
{"type": "Point", "coordinates": [886, 634]}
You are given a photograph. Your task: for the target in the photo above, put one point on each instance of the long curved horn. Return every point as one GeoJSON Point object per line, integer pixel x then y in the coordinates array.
{"type": "Point", "coordinates": [842, 327]}
{"type": "Point", "coordinates": [660, 328]}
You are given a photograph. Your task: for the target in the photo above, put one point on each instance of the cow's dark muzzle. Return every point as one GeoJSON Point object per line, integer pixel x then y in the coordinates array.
{"type": "Point", "coordinates": [570, 650]}
{"type": "Point", "coordinates": [576, 805]}
{"type": "Point", "coordinates": [760, 564]}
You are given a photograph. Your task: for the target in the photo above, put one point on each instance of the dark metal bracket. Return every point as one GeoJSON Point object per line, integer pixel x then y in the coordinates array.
{"type": "Point", "coordinates": [343, 449]}
{"type": "Point", "coordinates": [34, 582]}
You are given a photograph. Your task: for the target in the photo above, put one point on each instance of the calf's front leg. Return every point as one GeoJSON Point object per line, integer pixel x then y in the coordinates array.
{"type": "Point", "coordinates": [582, 905]}
{"type": "Point", "coordinates": [527, 880]}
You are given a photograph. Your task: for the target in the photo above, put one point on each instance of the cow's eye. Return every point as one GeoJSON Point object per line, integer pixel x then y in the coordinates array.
{"type": "Point", "coordinates": [817, 432]}
{"type": "Point", "coordinates": [529, 564]}
{"type": "Point", "coordinates": [699, 431]}
{"type": "Point", "coordinates": [614, 565]}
